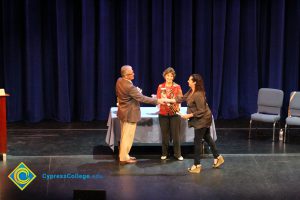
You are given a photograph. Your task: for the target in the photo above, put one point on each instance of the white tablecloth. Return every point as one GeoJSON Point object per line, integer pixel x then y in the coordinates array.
{"type": "Point", "coordinates": [148, 129]}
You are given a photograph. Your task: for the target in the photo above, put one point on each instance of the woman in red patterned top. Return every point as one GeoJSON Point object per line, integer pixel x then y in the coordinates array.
{"type": "Point", "coordinates": [168, 119]}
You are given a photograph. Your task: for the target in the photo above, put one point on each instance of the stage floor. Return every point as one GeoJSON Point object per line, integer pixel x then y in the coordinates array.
{"type": "Point", "coordinates": [253, 169]}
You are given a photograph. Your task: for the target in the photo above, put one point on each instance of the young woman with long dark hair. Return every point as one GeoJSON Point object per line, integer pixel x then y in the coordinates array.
{"type": "Point", "coordinates": [200, 117]}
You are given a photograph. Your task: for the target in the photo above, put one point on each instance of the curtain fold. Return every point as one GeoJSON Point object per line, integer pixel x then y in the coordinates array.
{"type": "Point", "coordinates": [218, 46]}
{"type": "Point", "coordinates": [276, 43]}
{"type": "Point", "coordinates": [106, 60]}
{"type": "Point", "coordinates": [33, 73]}
{"type": "Point", "coordinates": [231, 63]}
{"type": "Point", "coordinates": [13, 65]}
{"type": "Point", "coordinates": [182, 35]}
{"type": "Point", "coordinates": [62, 53]}
{"type": "Point", "coordinates": [248, 56]}
{"type": "Point", "coordinates": [60, 59]}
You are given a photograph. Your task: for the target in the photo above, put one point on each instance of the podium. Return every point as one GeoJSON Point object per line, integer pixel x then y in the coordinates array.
{"type": "Point", "coordinates": [3, 129]}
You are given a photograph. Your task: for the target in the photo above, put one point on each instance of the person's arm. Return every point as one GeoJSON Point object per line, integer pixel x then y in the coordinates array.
{"type": "Point", "coordinates": [134, 93]}
{"type": "Point", "coordinates": [179, 92]}
{"type": "Point", "coordinates": [158, 93]}
{"type": "Point", "coordinates": [178, 99]}
{"type": "Point", "coordinates": [179, 95]}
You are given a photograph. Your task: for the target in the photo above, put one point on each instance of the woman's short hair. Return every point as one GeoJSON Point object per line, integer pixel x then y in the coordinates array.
{"type": "Point", "coordinates": [169, 70]}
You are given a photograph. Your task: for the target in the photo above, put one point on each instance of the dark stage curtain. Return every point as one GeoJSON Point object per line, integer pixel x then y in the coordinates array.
{"type": "Point", "coordinates": [60, 59]}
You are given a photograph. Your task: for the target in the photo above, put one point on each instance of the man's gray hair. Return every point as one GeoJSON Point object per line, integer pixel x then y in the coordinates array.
{"type": "Point", "coordinates": [124, 70]}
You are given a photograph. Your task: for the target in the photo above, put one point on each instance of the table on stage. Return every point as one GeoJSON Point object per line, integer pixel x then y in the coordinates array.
{"type": "Point", "coordinates": [148, 129]}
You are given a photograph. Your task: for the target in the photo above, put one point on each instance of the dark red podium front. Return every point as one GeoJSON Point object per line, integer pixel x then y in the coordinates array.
{"type": "Point", "coordinates": [3, 129]}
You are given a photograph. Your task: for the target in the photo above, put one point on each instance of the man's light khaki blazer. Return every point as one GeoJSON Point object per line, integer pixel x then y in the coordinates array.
{"type": "Point", "coordinates": [129, 99]}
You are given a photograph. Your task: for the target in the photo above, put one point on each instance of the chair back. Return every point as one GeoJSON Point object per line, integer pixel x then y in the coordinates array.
{"type": "Point", "coordinates": [270, 101]}
{"type": "Point", "coordinates": [295, 104]}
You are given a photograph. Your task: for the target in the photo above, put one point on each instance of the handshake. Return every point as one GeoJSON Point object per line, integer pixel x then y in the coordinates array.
{"type": "Point", "coordinates": [165, 101]}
